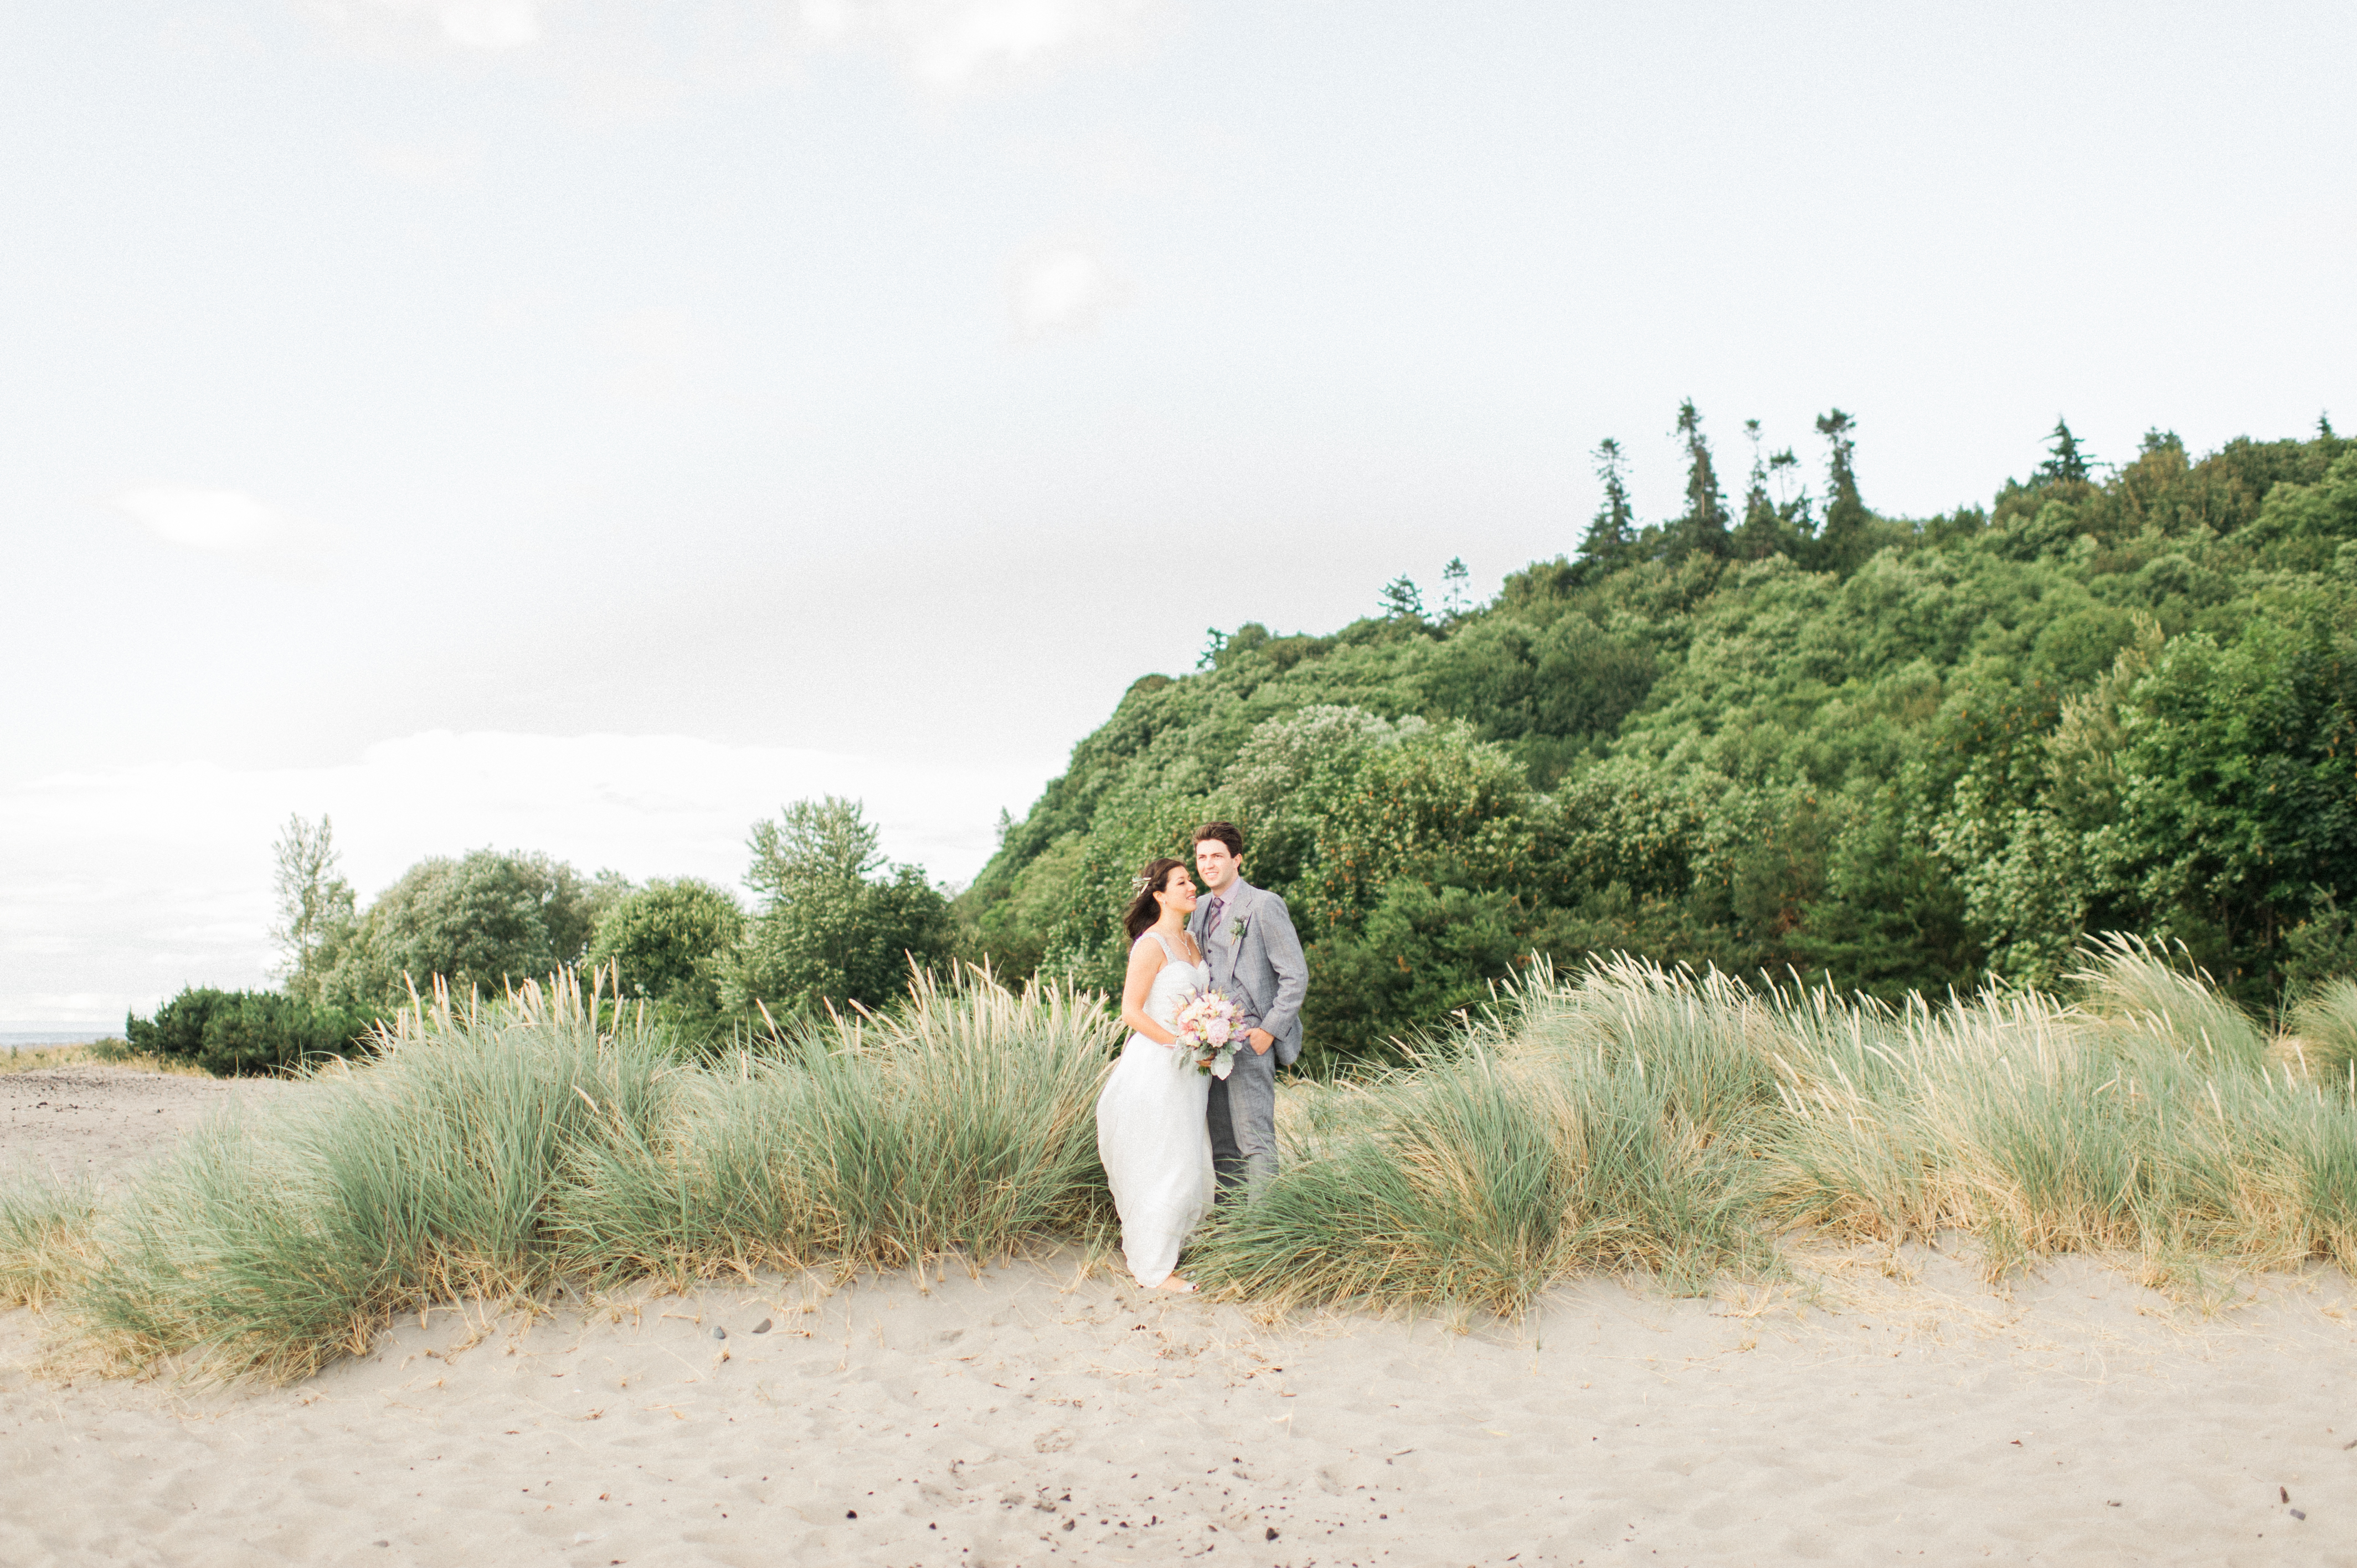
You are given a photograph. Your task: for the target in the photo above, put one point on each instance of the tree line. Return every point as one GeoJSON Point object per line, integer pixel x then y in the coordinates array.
{"type": "Point", "coordinates": [833, 922]}
{"type": "Point", "coordinates": [1792, 736]}
{"type": "Point", "coordinates": [1786, 734]}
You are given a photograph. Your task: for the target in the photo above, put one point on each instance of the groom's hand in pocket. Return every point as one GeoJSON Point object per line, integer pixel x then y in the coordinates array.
{"type": "Point", "coordinates": [1261, 1039]}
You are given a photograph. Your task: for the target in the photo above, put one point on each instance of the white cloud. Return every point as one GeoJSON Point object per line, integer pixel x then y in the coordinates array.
{"type": "Point", "coordinates": [1063, 287]}
{"type": "Point", "coordinates": [124, 884]}
{"type": "Point", "coordinates": [949, 43]}
{"type": "Point", "coordinates": [231, 524]}
{"type": "Point", "coordinates": [228, 522]}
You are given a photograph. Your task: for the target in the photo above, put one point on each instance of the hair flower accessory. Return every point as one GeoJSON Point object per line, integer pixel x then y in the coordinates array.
{"type": "Point", "coordinates": [1136, 886]}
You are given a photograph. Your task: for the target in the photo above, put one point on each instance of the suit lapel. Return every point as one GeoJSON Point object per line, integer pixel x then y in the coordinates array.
{"type": "Point", "coordinates": [1229, 915]}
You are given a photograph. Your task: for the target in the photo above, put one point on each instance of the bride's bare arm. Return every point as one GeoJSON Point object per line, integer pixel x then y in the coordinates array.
{"type": "Point", "coordinates": [1145, 960]}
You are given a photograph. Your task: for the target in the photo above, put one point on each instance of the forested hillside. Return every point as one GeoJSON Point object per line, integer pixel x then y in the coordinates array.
{"type": "Point", "coordinates": [1775, 731]}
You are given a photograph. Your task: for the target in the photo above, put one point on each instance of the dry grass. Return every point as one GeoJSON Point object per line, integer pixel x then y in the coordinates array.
{"type": "Point", "coordinates": [47, 1239]}
{"type": "Point", "coordinates": [96, 1053]}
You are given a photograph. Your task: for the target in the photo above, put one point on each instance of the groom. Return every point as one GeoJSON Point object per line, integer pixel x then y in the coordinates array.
{"type": "Point", "coordinates": [1256, 959]}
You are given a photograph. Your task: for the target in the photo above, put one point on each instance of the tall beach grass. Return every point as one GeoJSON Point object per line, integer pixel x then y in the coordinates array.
{"type": "Point", "coordinates": [1638, 1117]}
{"type": "Point", "coordinates": [1627, 1117]}
{"type": "Point", "coordinates": [551, 1137]}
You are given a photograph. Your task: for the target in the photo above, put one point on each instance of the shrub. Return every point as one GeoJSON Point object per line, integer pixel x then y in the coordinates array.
{"type": "Point", "coordinates": [269, 1243]}
{"type": "Point", "coordinates": [666, 943]}
{"type": "Point", "coordinates": [229, 1032]}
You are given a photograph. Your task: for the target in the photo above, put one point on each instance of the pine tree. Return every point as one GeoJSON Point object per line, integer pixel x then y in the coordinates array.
{"type": "Point", "coordinates": [1845, 512]}
{"type": "Point", "coordinates": [1454, 580]}
{"type": "Point", "coordinates": [1613, 533]}
{"type": "Point", "coordinates": [1704, 526]}
{"type": "Point", "coordinates": [1401, 599]}
{"type": "Point", "coordinates": [1759, 535]}
{"type": "Point", "coordinates": [315, 902]}
{"type": "Point", "coordinates": [1794, 513]}
{"type": "Point", "coordinates": [2066, 461]}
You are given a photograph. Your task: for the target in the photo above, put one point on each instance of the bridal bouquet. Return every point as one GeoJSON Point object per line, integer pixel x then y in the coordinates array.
{"type": "Point", "coordinates": [1210, 1027]}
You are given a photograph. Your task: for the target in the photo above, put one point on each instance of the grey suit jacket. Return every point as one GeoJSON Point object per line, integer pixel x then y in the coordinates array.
{"type": "Point", "coordinates": [1262, 966]}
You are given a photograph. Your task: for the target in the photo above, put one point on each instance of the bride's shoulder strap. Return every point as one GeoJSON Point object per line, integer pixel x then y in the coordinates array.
{"type": "Point", "coordinates": [1163, 943]}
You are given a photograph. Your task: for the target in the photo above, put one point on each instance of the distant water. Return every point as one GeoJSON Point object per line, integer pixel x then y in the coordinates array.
{"type": "Point", "coordinates": [28, 1038]}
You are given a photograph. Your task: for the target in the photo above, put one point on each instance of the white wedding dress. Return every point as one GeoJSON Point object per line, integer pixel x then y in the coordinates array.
{"type": "Point", "coordinates": [1152, 1134]}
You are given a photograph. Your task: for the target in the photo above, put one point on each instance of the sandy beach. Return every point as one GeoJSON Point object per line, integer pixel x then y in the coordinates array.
{"type": "Point", "coordinates": [1877, 1407]}
{"type": "Point", "coordinates": [99, 1122]}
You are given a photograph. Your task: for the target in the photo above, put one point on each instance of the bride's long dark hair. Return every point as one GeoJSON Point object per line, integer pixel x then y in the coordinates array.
{"type": "Point", "coordinates": [1143, 909]}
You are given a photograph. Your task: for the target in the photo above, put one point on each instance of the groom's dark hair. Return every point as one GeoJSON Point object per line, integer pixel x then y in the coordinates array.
{"type": "Point", "coordinates": [1226, 833]}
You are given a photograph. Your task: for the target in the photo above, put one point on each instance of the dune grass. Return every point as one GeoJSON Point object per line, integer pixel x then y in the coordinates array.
{"type": "Point", "coordinates": [499, 1150]}
{"type": "Point", "coordinates": [2325, 1026]}
{"type": "Point", "coordinates": [1629, 1117]}
{"type": "Point", "coordinates": [1638, 1117]}
{"type": "Point", "coordinates": [1598, 1124]}
{"type": "Point", "coordinates": [46, 1230]}
{"type": "Point", "coordinates": [962, 1122]}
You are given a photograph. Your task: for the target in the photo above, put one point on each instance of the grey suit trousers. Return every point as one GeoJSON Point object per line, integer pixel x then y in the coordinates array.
{"type": "Point", "coordinates": [1243, 1123]}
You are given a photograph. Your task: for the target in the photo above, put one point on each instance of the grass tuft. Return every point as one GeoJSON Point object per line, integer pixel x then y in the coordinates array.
{"type": "Point", "coordinates": [46, 1238]}
{"type": "Point", "coordinates": [2326, 1024]}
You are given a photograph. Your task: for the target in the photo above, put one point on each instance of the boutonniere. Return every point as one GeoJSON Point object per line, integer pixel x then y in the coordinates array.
{"type": "Point", "coordinates": [1238, 926]}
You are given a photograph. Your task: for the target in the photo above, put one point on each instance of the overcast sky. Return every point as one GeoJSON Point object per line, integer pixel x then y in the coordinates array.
{"type": "Point", "coordinates": [585, 426]}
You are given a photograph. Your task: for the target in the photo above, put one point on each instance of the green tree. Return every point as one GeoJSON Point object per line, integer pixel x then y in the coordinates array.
{"type": "Point", "coordinates": [2236, 809]}
{"type": "Point", "coordinates": [1612, 534]}
{"type": "Point", "coordinates": [314, 903]}
{"type": "Point", "coordinates": [1455, 594]}
{"type": "Point", "coordinates": [481, 921]}
{"type": "Point", "coordinates": [1761, 532]}
{"type": "Point", "coordinates": [1843, 542]}
{"type": "Point", "coordinates": [668, 942]}
{"type": "Point", "coordinates": [1944, 751]}
{"type": "Point", "coordinates": [2065, 462]}
{"type": "Point", "coordinates": [1703, 525]}
{"type": "Point", "coordinates": [838, 923]}
{"type": "Point", "coordinates": [1401, 599]}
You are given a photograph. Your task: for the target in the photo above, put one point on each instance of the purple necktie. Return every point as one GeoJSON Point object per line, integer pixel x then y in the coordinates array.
{"type": "Point", "coordinates": [1212, 922]}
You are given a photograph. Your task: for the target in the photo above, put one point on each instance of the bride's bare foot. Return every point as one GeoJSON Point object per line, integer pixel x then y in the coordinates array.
{"type": "Point", "coordinates": [1177, 1286]}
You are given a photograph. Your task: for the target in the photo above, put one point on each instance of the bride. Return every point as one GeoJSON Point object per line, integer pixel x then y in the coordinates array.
{"type": "Point", "coordinates": [1151, 1130]}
